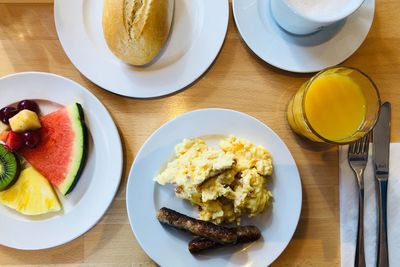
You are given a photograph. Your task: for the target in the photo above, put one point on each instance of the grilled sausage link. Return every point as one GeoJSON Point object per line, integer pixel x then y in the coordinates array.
{"type": "Point", "coordinates": [199, 244]}
{"type": "Point", "coordinates": [216, 233]}
{"type": "Point", "coordinates": [245, 234]}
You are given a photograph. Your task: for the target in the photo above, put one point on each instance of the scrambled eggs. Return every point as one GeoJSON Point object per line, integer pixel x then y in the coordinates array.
{"type": "Point", "coordinates": [224, 184]}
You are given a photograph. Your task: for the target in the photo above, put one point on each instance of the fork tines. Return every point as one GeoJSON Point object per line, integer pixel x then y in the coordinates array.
{"type": "Point", "coordinates": [361, 145]}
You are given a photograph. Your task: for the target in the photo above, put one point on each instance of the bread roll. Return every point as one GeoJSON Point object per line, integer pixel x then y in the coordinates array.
{"type": "Point", "coordinates": [136, 30]}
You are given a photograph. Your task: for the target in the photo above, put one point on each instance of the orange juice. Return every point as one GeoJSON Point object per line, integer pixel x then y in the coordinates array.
{"type": "Point", "coordinates": [339, 105]}
{"type": "Point", "coordinates": [335, 106]}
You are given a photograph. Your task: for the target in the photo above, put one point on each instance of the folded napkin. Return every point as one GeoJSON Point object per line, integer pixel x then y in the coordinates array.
{"type": "Point", "coordinates": [349, 210]}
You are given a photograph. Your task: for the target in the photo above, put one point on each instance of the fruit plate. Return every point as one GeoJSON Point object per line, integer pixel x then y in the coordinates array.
{"type": "Point", "coordinates": [144, 197]}
{"type": "Point", "coordinates": [197, 35]}
{"type": "Point", "coordinates": [83, 207]}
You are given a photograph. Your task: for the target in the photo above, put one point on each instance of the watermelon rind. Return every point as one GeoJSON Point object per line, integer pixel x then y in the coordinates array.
{"type": "Point", "coordinates": [79, 150]}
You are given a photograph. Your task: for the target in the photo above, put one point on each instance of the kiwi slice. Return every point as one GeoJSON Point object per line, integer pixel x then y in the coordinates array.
{"type": "Point", "coordinates": [9, 168]}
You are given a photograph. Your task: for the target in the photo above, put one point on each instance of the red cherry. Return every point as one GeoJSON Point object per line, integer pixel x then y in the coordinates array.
{"type": "Point", "coordinates": [28, 104]}
{"type": "Point", "coordinates": [7, 113]}
{"type": "Point", "coordinates": [31, 139]}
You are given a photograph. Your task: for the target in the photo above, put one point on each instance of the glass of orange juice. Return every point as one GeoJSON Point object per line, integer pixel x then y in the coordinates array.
{"type": "Point", "coordinates": [339, 105]}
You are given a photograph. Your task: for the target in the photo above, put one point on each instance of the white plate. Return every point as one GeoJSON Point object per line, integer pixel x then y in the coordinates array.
{"type": "Point", "coordinates": [198, 31]}
{"type": "Point", "coordinates": [328, 47]}
{"type": "Point", "coordinates": [96, 189]}
{"type": "Point", "coordinates": [144, 197]}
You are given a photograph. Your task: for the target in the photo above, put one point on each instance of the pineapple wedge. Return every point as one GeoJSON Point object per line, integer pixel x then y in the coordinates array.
{"type": "Point", "coordinates": [24, 121]}
{"type": "Point", "coordinates": [32, 194]}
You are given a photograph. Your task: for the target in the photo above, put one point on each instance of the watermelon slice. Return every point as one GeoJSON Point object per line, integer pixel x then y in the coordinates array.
{"type": "Point", "coordinates": [61, 154]}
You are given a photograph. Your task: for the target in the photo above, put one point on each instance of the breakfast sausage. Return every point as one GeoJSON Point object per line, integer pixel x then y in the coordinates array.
{"type": "Point", "coordinates": [216, 233]}
{"type": "Point", "coordinates": [199, 244]}
{"type": "Point", "coordinates": [245, 234]}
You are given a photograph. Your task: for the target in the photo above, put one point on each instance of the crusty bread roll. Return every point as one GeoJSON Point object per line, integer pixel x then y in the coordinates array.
{"type": "Point", "coordinates": [136, 30]}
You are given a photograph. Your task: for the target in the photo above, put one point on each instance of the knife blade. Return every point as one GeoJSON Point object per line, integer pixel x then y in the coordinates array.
{"type": "Point", "coordinates": [381, 145]}
{"type": "Point", "coordinates": [381, 151]}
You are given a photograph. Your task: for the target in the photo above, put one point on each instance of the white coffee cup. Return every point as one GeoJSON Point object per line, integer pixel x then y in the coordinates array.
{"type": "Point", "coordinates": [308, 16]}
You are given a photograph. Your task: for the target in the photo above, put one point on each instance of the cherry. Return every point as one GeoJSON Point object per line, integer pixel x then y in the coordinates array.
{"type": "Point", "coordinates": [28, 104]}
{"type": "Point", "coordinates": [31, 139]}
{"type": "Point", "coordinates": [7, 113]}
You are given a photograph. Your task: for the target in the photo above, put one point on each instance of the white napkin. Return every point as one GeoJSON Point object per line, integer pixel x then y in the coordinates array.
{"type": "Point", "coordinates": [349, 210]}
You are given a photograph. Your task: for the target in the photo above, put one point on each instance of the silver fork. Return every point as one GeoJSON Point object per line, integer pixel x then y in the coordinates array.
{"type": "Point", "coordinates": [358, 157]}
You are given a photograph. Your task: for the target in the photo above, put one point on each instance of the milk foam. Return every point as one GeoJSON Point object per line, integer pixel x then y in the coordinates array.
{"type": "Point", "coordinates": [323, 9]}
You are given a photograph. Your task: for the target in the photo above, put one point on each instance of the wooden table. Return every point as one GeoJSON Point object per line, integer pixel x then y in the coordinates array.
{"type": "Point", "coordinates": [237, 80]}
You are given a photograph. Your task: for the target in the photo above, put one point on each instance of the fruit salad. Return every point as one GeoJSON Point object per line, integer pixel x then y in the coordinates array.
{"type": "Point", "coordinates": [53, 147]}
{"type": "Point", "coordinates": [19, 125]}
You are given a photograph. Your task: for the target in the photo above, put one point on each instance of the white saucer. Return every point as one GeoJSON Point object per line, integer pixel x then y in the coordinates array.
{"type": "Point", "coordinates": [144, 197]}
{"type": "Point", "coordinates": [198, 32]}
{"type": "Point", "coordinates": [328, 47]}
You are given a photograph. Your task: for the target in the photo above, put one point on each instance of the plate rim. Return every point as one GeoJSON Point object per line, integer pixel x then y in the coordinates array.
{"type": "Point", "coordinates": [193, 78]}
{"type": "Point", "coordinates": [127, 197]}
{"type": "Point", "coordinates": [120, 159]}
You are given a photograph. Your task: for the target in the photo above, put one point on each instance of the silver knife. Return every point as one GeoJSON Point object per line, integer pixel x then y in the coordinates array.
{"type": "Point", "coordinates": [381, 150]}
